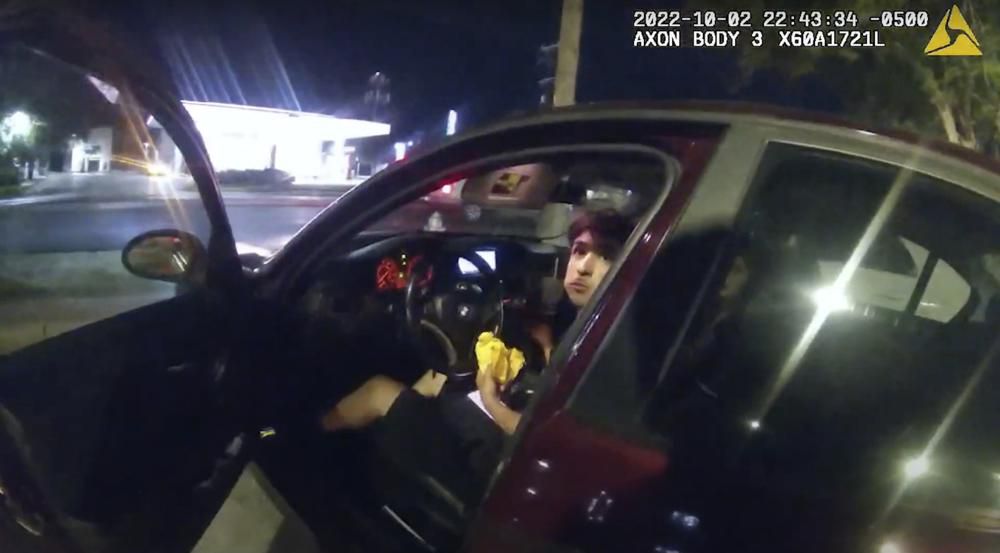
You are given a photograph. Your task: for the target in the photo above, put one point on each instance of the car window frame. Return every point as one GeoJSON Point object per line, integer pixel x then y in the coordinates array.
{"type": "Point", "coordinates": [341, 219]}
{"type": "Point", "coordinates": [891, 154]}
{"type": "Point", "coordinates": [493, 163]}
{"type": "Point", "coordinates": [717, 198]}
{"type": "Point", "coordinates": [147, 93]}
{"type": "Point", "coordinates": [76, 47]}
{"type": "Point", "coordinates": [287, 284]}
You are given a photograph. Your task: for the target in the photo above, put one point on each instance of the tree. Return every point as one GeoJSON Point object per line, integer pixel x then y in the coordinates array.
{"type": "Point", "coordinates": [957, 98]}
{"type": "Point", "coordinates": [58, 98]}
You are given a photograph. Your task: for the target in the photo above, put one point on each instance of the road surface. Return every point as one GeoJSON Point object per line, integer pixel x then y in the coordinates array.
{"type": "Point", "coordinates": [60, 245]}
{"type": "Point", "coordinates": [74, 212]}
{"type": "Point", "coordinates": [69, 226]}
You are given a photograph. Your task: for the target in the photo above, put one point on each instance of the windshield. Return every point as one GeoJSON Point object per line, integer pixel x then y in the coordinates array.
{"type": "Point", "coordinates": [532, 200]}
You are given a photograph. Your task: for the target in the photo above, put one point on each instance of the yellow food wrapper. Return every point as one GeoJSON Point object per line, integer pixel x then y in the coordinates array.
{"type": "Point", "coordinates": [495, 357]}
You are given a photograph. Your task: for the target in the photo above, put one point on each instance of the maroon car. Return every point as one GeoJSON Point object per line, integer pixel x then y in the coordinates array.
{"type": "Point", "coordinates": [797, 350]}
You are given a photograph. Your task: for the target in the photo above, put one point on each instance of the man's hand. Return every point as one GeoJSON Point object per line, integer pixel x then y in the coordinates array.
{"type": "Point", "coordinates": [487, 385]}
{"type": "Point", "coordinates": [505, 417]}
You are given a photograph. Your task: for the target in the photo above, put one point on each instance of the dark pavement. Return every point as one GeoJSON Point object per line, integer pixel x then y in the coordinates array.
{"type": "Point", "coordinates": [69, 213]}
{"type": "Point", "coordinates": [61, 241]}
{"type": "Point", "coordinates": [99, 226]}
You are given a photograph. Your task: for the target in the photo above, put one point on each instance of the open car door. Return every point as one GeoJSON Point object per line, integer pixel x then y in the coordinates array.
{"type": "Point", "coordinates": [117, 423]}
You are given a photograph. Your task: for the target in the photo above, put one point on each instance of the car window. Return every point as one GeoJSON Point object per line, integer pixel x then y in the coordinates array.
{"type": "Point", "coordinates": [533, 199]}
{"type": "Point", "coordinates": [942, 299]}
{"type": "Point", "coordinates": [795, 397]}
{"type": "Point", "coordinates": [82, 171]}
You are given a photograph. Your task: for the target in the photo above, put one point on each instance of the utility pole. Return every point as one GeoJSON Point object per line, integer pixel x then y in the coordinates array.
{"type": "Point", "coordinates": [546, 66]}
{"type": "Point", "coordinates": [378, 93]}
{"type": "Point", "coordinates": [569, 53]}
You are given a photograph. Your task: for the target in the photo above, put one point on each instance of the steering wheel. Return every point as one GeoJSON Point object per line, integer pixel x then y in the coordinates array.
{"type": "Point", "coordinates": [453, 312]}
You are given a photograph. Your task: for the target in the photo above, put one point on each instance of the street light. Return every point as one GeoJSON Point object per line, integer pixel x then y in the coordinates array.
{"type": "Point", "coordinates": [545, 63]}
{"type": "Point", "coordinates": [17, 125]}
{"type": "Point", "coordinates": [916, 467]}
{"type": "Point", "coordinates": [378, 94]}
{"type": "Point", "coordinates": [890, 547]}
{"type": "Point", "coordinates": [452, 122]}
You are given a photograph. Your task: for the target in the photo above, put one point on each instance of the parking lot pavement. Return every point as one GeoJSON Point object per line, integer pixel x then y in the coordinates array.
{"type": "Point", "coordinates": [45, 294]}
{"type": "Point", "coordinates": [255, 519]}
{"type": "Point", "coordinates": [121, 186]}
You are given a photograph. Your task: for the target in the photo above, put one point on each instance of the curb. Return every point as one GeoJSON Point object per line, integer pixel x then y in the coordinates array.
{"type": "Point", "coordinates": [40, 199]}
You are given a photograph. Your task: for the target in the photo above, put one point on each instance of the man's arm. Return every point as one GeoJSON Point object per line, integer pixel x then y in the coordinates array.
{"type": "Point", "coordinates": [505, 417]}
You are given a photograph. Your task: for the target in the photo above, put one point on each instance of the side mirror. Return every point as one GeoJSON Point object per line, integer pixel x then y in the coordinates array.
{"type": "Point", "coordinates": [167, 254]}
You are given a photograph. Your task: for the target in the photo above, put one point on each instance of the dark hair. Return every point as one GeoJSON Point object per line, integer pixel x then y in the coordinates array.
{"type": "Point", "coordinates": [608, 228]}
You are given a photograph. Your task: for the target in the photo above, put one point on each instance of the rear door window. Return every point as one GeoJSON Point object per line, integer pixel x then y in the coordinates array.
{"type": "Point", "coordinates": [824, 375]}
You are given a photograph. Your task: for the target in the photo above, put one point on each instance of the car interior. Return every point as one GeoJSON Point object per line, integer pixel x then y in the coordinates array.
{"type": "Point", "coordinates": [412, 292]}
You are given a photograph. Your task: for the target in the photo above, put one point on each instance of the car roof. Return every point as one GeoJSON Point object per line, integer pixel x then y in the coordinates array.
{"type": "Point", "coordinates": [730, 113]}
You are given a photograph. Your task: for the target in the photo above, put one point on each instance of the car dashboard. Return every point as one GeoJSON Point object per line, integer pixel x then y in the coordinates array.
{"type": "Point", "coordinates": [375, 275]}
{"type": "Point", "coordinates": [393, 271]}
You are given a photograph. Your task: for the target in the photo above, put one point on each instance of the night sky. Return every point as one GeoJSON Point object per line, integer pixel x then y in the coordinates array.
{"type": "Point", "coordinates": [476, 57]}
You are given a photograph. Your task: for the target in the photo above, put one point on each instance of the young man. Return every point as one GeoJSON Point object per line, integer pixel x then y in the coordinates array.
{"type": "Point", "coordinates": [595, 241]}
{"type": "Point", "coordinates": [447, 438]}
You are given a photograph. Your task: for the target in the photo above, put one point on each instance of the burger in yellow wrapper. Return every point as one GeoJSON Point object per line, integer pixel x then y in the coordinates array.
{"type": "Point", "coordinates": [496, 359]}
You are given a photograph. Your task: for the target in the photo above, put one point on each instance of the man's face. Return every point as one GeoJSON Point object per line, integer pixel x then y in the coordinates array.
{"type": "Point", "coordinates": [585, 270]}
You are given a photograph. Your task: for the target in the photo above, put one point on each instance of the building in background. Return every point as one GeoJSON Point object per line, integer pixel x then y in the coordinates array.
{"type": "Point", "coordinates": [311, 147]}
{"type": "Point", "coordinates": [91, 154]}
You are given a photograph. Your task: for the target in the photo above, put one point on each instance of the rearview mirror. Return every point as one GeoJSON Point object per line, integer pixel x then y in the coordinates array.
{"type": "Point", "coordinates": [168, 254]}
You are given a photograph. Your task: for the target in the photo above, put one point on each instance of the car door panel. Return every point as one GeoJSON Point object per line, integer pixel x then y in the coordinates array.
{"type": "Point", "coordinates": [120, 435]}
{"type": "Point", "coordinates": [120, 414]}
{"type": "Point", "coordinates": [551, 447]}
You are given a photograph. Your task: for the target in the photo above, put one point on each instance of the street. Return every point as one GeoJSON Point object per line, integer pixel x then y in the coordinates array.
{"type": "Point", "coordinates": [61, 243]}
{"type": "Point", "coordinates": [97, 226]}
{"type": "Point", "coordinates": [99, 212]}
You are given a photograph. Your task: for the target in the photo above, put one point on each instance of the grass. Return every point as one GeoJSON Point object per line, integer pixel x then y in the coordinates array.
{"type": "Point", "coordinates": [10, 287]}
{"type": "Point", "coordinates": [76, 274]}
{"type": "Point", "coordinates": [10, 191]}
